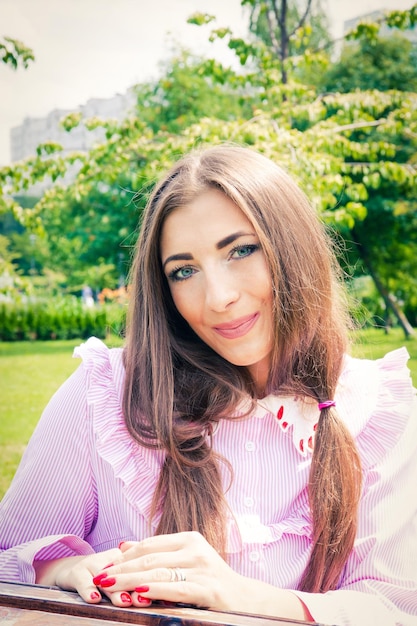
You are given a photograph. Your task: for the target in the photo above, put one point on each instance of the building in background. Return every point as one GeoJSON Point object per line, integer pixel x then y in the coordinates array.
{"type": "Point", "coordinates": [34, 131]}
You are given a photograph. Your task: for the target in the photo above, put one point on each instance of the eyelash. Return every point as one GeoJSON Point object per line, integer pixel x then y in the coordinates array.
{"type": "Point", "coordinates": [174, 274]}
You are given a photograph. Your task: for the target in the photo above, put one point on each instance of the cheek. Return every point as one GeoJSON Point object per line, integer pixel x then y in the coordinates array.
{"type": "Point", "coordinates": [186, 304]}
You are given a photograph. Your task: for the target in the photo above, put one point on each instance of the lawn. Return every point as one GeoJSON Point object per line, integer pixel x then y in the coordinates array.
{"type": "Point", "coordinates": [30, 372]}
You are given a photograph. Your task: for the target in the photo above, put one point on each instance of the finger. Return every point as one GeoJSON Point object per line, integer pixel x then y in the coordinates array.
{"type": "Point", "coordinates": [145, 564]}
{"type": "Point", "coordinates": [159, 543]}
{"type": "Point", "coordinates": [174, 549]}
{"type": "Point", "coordinates": [119, 598]}
{"type": "Point", "coordinates": [138, 599]}
{"type": "Point", "coordinates": [80, 576]}
{"type": "Point", "coordinates": [83, 584]}
{"type": "Point", "coordinates": [177, 593]}
{"type": "Point", "coordinates": [131, 580]}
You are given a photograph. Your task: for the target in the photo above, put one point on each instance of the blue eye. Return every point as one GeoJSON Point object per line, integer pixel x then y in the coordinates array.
{"type": "Point", "coordinates": [244, 250]}
{"type": "Point", "coordinates": [181, 273]}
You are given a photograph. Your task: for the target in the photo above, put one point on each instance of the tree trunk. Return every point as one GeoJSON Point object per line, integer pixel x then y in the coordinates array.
{"type": "Point", "coordinates": [389, 300]}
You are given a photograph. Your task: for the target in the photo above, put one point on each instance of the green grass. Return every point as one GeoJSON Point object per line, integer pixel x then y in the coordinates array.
{"type": "Point", "coordinates": [373, 343]}
{"type": "Point", "coordinates": [30, 372]}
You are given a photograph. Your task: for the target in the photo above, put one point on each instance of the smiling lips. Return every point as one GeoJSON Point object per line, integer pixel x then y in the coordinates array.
{"type": "Point", "coordinates": [237, 328]}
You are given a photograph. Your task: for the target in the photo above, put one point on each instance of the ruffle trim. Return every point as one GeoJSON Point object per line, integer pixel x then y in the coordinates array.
{"type": "Point", "coordinates": [130, 461]}
{"type": "Point", "coordinates": [392, 410]}
{"type": "Point", "coordinates": [373, 398]}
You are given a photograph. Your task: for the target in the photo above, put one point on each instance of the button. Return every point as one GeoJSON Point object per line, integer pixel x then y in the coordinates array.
{"type": "Point", "coordinates": [250, 446]}
{"type": "Point", "coordinates": [249, 501]}
{"type": "Point", "coordinates": [254, 556]}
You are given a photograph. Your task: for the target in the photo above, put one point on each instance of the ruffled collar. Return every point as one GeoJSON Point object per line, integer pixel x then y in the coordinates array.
{"type": "Point", "coordinates": [294, 415]}
{"type": "Point", "coordinates": [376, 384]}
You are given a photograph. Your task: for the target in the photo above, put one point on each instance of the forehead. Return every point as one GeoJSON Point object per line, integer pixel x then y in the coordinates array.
{"type": "Point", "coordinates": [208, 218]}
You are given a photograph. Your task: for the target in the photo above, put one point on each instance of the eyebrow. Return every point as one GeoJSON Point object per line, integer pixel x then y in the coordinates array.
{"type": "Point", "coordinates": [226, 241]}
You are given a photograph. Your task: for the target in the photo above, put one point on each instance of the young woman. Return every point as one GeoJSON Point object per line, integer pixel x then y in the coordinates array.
{"type": "Point", "coordinates": [232, 455]}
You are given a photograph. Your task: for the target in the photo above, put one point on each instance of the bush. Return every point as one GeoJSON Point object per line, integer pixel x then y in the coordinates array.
{"type": "Point", "coordinates": [57, 318]}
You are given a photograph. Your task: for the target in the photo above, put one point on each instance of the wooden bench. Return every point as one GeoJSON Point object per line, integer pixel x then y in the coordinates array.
{"type": "Point", "coordinates": [30, 605]}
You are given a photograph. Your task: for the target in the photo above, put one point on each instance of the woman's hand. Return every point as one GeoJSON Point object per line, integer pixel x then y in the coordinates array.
{"type": "Point", "coordinates": [184, 568]}
{"type": "Point", "coordinates": [78, 573]}
{"type": "Point", "coordinates": [181, 567]}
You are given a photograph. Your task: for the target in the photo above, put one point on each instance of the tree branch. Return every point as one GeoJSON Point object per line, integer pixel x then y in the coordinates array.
{"type": "Point", "coordinates": [355, 125]}
{"type": "Point", "coordinates": [302, 19]}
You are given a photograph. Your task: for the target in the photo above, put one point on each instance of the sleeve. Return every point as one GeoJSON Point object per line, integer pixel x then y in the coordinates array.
{"type": "Point", "coordinates": [379, 583]}
{"type": "Point", "coordinates": [50, 505]}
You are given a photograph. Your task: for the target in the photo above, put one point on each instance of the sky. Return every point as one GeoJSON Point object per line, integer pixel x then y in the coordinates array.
{"type": "Point", "coordinates": [97, 48]}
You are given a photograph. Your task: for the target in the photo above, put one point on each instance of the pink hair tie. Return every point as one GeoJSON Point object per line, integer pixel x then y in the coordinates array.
{"type": "Point", "coordinates": [326, 404]}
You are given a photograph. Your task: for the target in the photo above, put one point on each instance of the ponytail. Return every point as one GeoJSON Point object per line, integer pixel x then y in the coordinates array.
{"type": "Point", "coordinates": [334, 492]}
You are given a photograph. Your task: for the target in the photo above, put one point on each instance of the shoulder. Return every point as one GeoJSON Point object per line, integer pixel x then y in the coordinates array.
{"type": "Point", "coordinates": [136, 466]}
{"type": "Point", "coordinates": [376, 400]}
{"type": "Point", "coordinates": [103, 366]}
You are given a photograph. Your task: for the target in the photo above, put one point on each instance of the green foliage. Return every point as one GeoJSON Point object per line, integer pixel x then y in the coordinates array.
{"type": "Point", "coordinates": [401, 20]}
{"type": "Point", "coordinates": [381, 63]}
{"type": "Point", "coordinates": [14, 53]}
{"type": "Point", "coordinates": [306, 24]}
{"type": "Point", "coordinates": [353, 153]}
{"type": "Point", "coordinates": [61, 318]}
{"type": "Point", "coordinates": [188, 91]}
{"type": "Point", "coordinates": [200, 18]}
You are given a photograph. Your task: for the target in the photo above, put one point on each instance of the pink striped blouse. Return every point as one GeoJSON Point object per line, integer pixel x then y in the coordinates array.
{"type": "Point", "coordinates": [83, 485]}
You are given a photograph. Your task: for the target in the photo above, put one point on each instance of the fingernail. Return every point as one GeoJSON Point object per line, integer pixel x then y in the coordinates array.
{"type": "Point", "coordinates": [142, 589]}
{"type": "Point", "coordinates": [125, 597]}
{"type": "Point", "coordinates": [109, 565]}
{"type": "Point", "coordinates": [143, 600]}
{"type": "Point", "coordinates": [97, 579]}
{"type": "Point", "coordinates": [120, 544]}
{"type": "Point", "coordinates": [94, 595]}
{"type": "Point", "coordinates": [108, 582]}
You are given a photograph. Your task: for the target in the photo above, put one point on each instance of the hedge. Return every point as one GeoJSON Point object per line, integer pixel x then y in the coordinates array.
{"type": "Point", "coordinates": [63, 318]}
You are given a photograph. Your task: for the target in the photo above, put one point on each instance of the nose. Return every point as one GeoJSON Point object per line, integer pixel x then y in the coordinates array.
{"type": "Point", "coordinates": [221, 291]}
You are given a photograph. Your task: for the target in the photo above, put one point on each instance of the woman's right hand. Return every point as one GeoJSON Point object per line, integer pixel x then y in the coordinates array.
{"type": "Point", "coordinates": [76, 573]}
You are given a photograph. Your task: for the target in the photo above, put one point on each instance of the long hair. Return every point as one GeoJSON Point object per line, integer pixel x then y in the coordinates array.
{"type": "Point", "coordinates": [177, 388]}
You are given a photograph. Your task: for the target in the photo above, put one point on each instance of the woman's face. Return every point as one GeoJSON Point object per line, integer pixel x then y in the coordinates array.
{"type": "Point", "coordinates": [220, 281]}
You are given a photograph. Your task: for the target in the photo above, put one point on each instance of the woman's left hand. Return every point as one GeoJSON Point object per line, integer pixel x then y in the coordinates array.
{"type": "Point", "coordinates": [182, 568]}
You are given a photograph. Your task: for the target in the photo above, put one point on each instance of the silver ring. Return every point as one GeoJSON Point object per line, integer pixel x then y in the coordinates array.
{"type": "Point", "coordinates": [180, 574]}
{"type": "Point", "coordinates": [176, 574]}
{"type": "Point", "coordinates": [172, 574]}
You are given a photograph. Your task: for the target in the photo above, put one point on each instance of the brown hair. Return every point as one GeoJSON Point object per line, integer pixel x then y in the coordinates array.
{"type": "Point", "coordinates": [177, 388]}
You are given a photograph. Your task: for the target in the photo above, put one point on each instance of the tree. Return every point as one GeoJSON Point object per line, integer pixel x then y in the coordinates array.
{"type": "Point", "coordinates": [380, 63]}
{"type": "Point", "coordinates": [289, 28]}
{"type": "Point", "coordinates": [185, 93]}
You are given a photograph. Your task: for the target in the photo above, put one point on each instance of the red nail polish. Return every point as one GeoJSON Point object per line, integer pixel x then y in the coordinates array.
{"type": "Point", "coordinates": [143, 600]}
{"type": "Point", "coordinates": [97, 579]}
{"type": "Point", "coordinates": [94, 595]}
{"type": "Point", "coordinates": [142, 589]}
{"type": "Point", "coordinates": [108, 582]}
{"type": "Point", "coordinates": [125, 597]}
{"type": "Point", "coordinates": [109, 565]}
{"type": "Point", "coordinates": [120, 544]}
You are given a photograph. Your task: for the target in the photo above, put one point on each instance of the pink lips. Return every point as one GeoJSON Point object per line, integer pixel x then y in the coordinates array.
{"type": "Point", "coordinates": [237, 328]}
